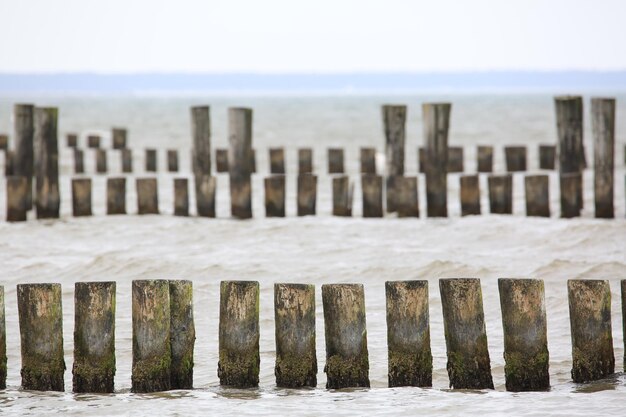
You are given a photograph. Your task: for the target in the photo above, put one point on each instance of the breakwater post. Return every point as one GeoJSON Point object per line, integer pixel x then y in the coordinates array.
{"type": "Point", "coordinates": [436, 123]}
{"type": "Point", "coordinates": [46, 163]}
{"type": "Point", "coordinates": [547, 156]}
{"type": "Point", "coordinates": [201, 136]}
{"type": "Point", "coordinates": [239, 162]}
{"type": "Point", "coordinates": [372, 190]}
{"type": "Point", "coordinates": [335, 161]}
{"type": "Point", "coordinates": [79, 161]}
{"type": "Point", "coordinates": [147, 196]}
{"type": "Point", "coordinates": [500, 194]}
{"type": "Point", "coordinates": [277, 160]}
{"type": "Point", "coordinates": [116, 195]}
{"type": "Point", "coordinates": [93, 141]}
{"type": "Point", "coordinates": [205, 195]}
{"type": "Point", "coordinates": [101, 161]}
{"type": "Point", "coordinates": [394, 121]}
{"type": "Point", "coordinates": [470, 195]}
{"type": "Point", "coordinates": [3, 342]}
{"type": "Point", "coordinates": [484, 158]}
{"type": "Point", "coordinates": [17, 198]}
{"type": "Point", "coordinates": [151, 160]}
{"type": "Point", "coordinates": [127, 160]}
{"type": "Point", "coordinates": [407, 204]}
{"type": "Point", "coordinates": [603, 125]}
{"type": "Point", "coordinates": [118, 135]}
{"type": "Point", "coordinates": [275, 196]}
{"type": "Point", "coordinates": [537, 190]}
{"type": "Point", "coordinates": [172, 160]}
{"type": "Point", "coordinates": [368, 161]}
{"type": "Point", "coordinates": [571, 188]}
{"type": "Point", "coordinates": [455, 159]}
{"type": "Point", "coordinates": [569, 121]}
{"type": "Point", "coordinates": [182, 334]}
{"type": "Point", "coordinates": [81, 197]}
{"type": "Point", "coordinates": [307, 194]}
{"type": "Point", "coordinates": [515, 157]}
{"type": "Point", "coordinates": [181, 197]}
{"type": "Point", "coordinates": [221, 160]}
{"type": "Point", "coordinates": [71, 140]}
{"type": "Point", "coordinates": [305, 161]}
{"type": "Point", "coordinates": [342, 196]}
{"type": "Point", "coordinates": [22, 160]}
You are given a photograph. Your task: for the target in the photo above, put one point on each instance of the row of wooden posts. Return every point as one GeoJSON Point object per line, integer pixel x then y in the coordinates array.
{"type": "Point", "coordinates": [164, 334]}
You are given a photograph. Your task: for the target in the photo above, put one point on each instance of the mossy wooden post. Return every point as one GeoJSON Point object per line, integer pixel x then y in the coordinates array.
{"type": "Point", "coordinates": [436, 123]}
{"type": "Point", "coordinates": [205, 195]}
{"type": "Point", "coordinates": [81, 197]}
{"type": "Point", "coordinates": [181, 197]}
{"type": "Point", "coordinates": [46, 163]}
{"type": "Point", "coordinates": [239, 358]}
{"type": "Point", "coordinates": [408, 334]}
{"type": "Point", "coordinates": [151, 160]}
{"type": "Point", "coordinates": [623, 287]}
{"type": "Point", "coordinates": [41, 336]}
{"type": "Point", "coordinates": [569, 120]}
{"type": "Point", "coordinates": [500, 194]}
{"type": "Point", "coordinates": [127, 160]}
{"type": "Point", "coordinates": [466, 339]}
{"type": "Point", "coordinates": [147, 196]}
{"type": "Point", "coordinates": [335, 161]}
{"type": "Point", "coordinates": [368, 161]}
{"type": "Point", "coordinates": [515, 157]}
{"type": "Point", "coordinates": [275, 196]}
{"type": "Point", "coordinates": [201, 135]}
{"type": "Point", "coordinates": [239, 158]}
{"type": "Point", "coordinates": [79, 161]}
{"type": "Point", "coordinates": [407, 203]}
{"type": "Point", "coordinates": [571, 187]}
{"type": "Point", "coordinates": [525, 334]}
{"type": "Point", "coordinates": [94, 337]}
{"type": "Point", "coordinates": [470, 195]}
{"type": "Point", "coordinates": [182, 334]}
{"type": "Point", "coordinates": [221, 160]}
{"type": "Point", "coordinates": [22, 160]}
{"type": "Point", "coordinates": [590, 322]}
{"type": "Point", "coordinates": [305, 161]}
{"type": "Point", "coordinates": [484, 158]}
{"type": "Point", "coordinates": [93, 141]}
{"type": "Point", "coordinates": [455, 159]}
{"type": "Point", "coordinates": [71, 140]}
{"type": "Point", "coordinates": [307, 194]}
{"type": "Point", "coordinates": [152, 349]}
{"type": "Point", "coordinates": [101, 161]}
{"type": "Point", "coordinates": [347, 361]}
{"type": "Point", "coordinates": [294, 316]}
{"type": "Point", "coordinates": [119, 137]}
{"type": "Point", "coordinates": [372, 190]}
{"type": "Point", "coordinates": [3, 342]}
{"type": "Point", "coordinates": [537, 188]}
{"type": "Point", "coordinates": [172, 160]}
{"type": "Point", "coordinates": [603, 124]}
{"type": "Point", "coordinates": [17, 198]}
{"type": "Point", "coordinates": [342, 201]}
{"type": "Point", "coordinates": [547, 156]}
{"type": "Point", "coordinates": [116, 195]}
{"type": "Point", "coordinates": [277, 160]}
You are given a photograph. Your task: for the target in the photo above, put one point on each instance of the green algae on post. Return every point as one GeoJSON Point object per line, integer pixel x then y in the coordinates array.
{"type": "Point", "coordinates": [182, 333]}
{"type": "Point", "coordinates": [3, 342]}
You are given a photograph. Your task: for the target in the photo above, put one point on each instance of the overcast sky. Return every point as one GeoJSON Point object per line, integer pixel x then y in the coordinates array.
{"type": "Point", "coordinates": [311, 36]}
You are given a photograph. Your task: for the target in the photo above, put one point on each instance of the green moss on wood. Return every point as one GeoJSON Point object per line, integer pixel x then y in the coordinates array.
{"type": "Point", "coordinates": [410, 369]}
{"type": "Point", "coordinates": [526, 372]}
{"type": "Point", "coordinates": [239, 369]}
{"type": "Point", "coordinates": [347, 372]}
{"type": "Point", "coordinates": [151, 375]}
{"type": "Point", "coordinates": [294, 371]}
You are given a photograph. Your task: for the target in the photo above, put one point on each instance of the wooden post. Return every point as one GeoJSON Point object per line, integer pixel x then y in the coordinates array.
{"type": "Point", "coordinates": [127, 160]}
{"type": "Point", "coordinates": [152, 349]}
{"type": "Point", "coordinates": [23, 158]}
{"type": "Point", "coordinates": [116, 195]}
{"type": "Point", "coordinates": [603, 124]}
{"type": "Point", "coordinates": [305, 161]}
{"type": "Point", "coordinates": [94, 337]}
{"type": "Point", "coordinates": [221, 160]}
{"type": "Point", "coordinates": [79, 161]}
{"type": "Point", "coordinates": [470, 195]}
{"type": "Point", "coordinates": [277, 160]}
{"type": "Point", "coordinates": [205, 196]}
{"type": "Point", "coordinates": [372, 189]}
{"type": "Point", "coordinates": [151, 160]}
{"type": "Point", "coordinates": [525, 334]}
{"type": "Point", "coordinates": [172, 160]}
{"type": "Point", "coordinates": [182, 334]}
{"type": "Point", "coordinates": [407, 203]}
{"type": "Point", "coordinates": [500, 194]}
{"type": "Point", "coordinates": [466, 339]}
{"type": "Point", "coordinates": [93, 141]}
{"type": "Point", "coordinates": [537, 189]}
{"type": "Point", "coordinates": [4, 142]}
{"type": "Point", "coordinates": [335, 161]}
{"type": "Point", "coordinates": [623, 287]}
{"type": "Point", "coordinates": [455, 159]}
{"type": "Point", "coordinates": [119, 138]}
{"type": "Point", "coordinates": [72, 140]}
{"type": "Point", "coordinates": [81, 197]}
{"type": "Point", "coordinates": [547, 156]}
{"type": "Point", "coordinates": [201, 134]}
{"type": "Point", "coordinates": [294, 315]}
{"type": "Point", "coordinates": [408, 334]}
{"type": "Point", "coordinates": [239, 158]}
{"type": "Point", "coordinates": [368, 161]}
{"type": "Point", "coordinates": [307, 194]}
{"type": "Point", "coordinates": [147, 196]}
{"type": "Point", "coordinates": [347, 359]}
{"type": "Point", "coordinates": [239, 358]}
{"type": "Point", "coordinates": [569, 118]}
{"type": "Point", "coordinates": [9, 161]}
{"type": "Point", "coordinates": [101, 161]}
{"type": "Point", "coordinates": [436, 123]}
{"type": "Point", "coordinates": [421, 158]}
{"type": "Point", "coordinates": [515, 158]}
{"type": "Point", "coordinates": [181, 197]}
{"type": "Point", "coordinates": [571, 187]}
{"type": "Point", "coordinates": [590, 321]}
{"type": "Point", "coordinates": [485, 158]}
{"type": "Point", "coordinates": [342, 196]}
{"type": "Point", "coordinates": [275, 196]}
{"type": "Point", "coordinates": [252, 161]}
{"type": "Point", "coordinates": [41, 336]}
{"type": "Point", "coordinates": [17, 197]}
{"type": "Point", "coordinates": [394, 120]}
{"type": "Point", "coordinates": [3, 342]}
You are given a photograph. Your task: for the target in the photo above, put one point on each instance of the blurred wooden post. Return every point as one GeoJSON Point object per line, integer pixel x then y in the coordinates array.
{"type": "Point", "coordinates": [17, 197]}
{"type": "Point", "coordinates": [394, 121]}
{"type": "Point", "coordinates": [372, 191]}
{"type": "Point", "coordinates": [515, 158]}
{"type": "Point", "coordinates": [421, 158]}
{"type": "Point", "coordinates": [9, 161]}
{"type": "Point", "coordinates": [181, 197]}
{"type": "Point", "coordinates": [22, 161]}
{"type": "Point", "coordinates": [342, 196]}
{"type": "Point", "coordinates": [455, 159]}
{"type": "Point", "coordinates": [368, 161]}
{"type": "Point", "coordinates": [307, 194]}
{"type": "Point", "coordinates": [116, 195]}
{"type": "Point", "coordinates": [500, 194]}
{"type": "Point", "coordinates": [147, 196]}
{"type": "Point", "coordinates": [252, 161]}
{"type": "Point", "coordinates": [172, 160]}
{"type": "Point", "coordinates": [46, 163]}
{"type": "Point", "coordinates": [547, 156]}
{"type": "Point", "coordinates": [275, 196]}
{"type": "Point", "coordinates": [93, 141]}
{"type": "Point", "coordinates": [569, 119]}
{"type": "Point", "coordinates": [603, 124]}
{"type": "Point", "coordinates": [72, 140]}
{"type": "Point", "coordinates": [571, 187]}
{"type": "Point", "coordinates": [221, 160]}
{"type": "Point", "coordinates": [239, 158]}
{"type": "Point", "coordinates": [201, 135]}
{"type": "Point", "coordinates": [623, 288]}
{"type": "Point", "coordinates": [407, 203]}
{"type": "Point", "coordinates": [151, 160]}
{"type": "Point", "coordinates": [81, 197]}
{"type": "Point", "coordinates": [305, 161]}
{"type": "Point", "coordinates": [335, 161]}
{"type": "Point", "coordinates": [3, 342]}
{"type": "Point", "coordinates": [119, 138]}
{"type": "Point", "coordinates": [537, 188]}
{"type": "Point", "coordinates": [205, 195]}
{"type": "Point", "coordinates": [470, 195]}
{"type": "Point", "coordinates": [101, 161]}
{"type": "Point", "coordinates": [127, 160]}
{"type": "Point", "coordinates": [182, 334]}
{"type": "Point", "coordinates": [277, 160]}
{"type": "Point", "coordinates": [79, 161]}
{"type": "Point", "coordinates": [436, 123]}
{"type": "Point", "coordinates": [485, 158]}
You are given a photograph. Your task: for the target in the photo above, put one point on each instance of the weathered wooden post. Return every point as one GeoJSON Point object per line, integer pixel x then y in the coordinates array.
{"type": "Point", "coordinates": [485, 158]}
{"type": "Point", "coordinates": [342, 196]}
{"type": "Point", "coordinates": [151, 160]}
{"type": "Point", "coordinates": [547, 156]}
{"type": "Point", "coordinates": [81, 197]}
{"type": "Point", "coordinates": [394, 121]}
{"type": "Point", "coordinates": [571, 187]}
{"type": "Point", "coordinates": [22, 160]}
{"type": "Point", "coordinates": [537, 189]}
{"type": "Point", "coordinates": [172, 160]}
{"type": "Point", "coordinates": [421, 158]}
{"type": "Point", "coordinates": [46, 163]}
{"type": "Point", "coordinates": [368, 161]}
{"type": "Point", "coordinates": [182, 334]}
{"type": "Point", "coordinates": [436, 123]}
{"type": "Point", "coordinates": [408, 334]}
{"type": "Point", "coordinates": [239, 334]}
{"type": "Point", "coordinates": [93, 141]}
{"type": "Point", "coordinates": [525, 334]}
{"type": "Point", "coordinates": [101, 161]}
{"type": "Point", "coordinates": [305, 161]}
{"type": "Point", "coordinates": [407, 203]}
{"type": "Point", "coordinates": [201, 134]}
{"type": "Point", "coordinates": [221, 160]}
{"type": "Point", "coordinates": [603, 124]}
{"type": "Point", "coordinates": [4, 142]}
{"type": "Point", "coordinates": [590, 321]}
{"type": "Point", "coordinates": [275, 196]}
{"type": "Point", "coordinates": [470, 195]}
{"type": "Point", "coordinates": [372, 189]}
{"type": "Point", "coordinates": [569, 120]}
{"type": "Point", "coordinates": [239, 167]}
{"type": "Point", "coordinates": [72, 140]}
{"type": "Point", "coordinates": [181, 197]}
{"type": "Point", "coordinates": [79, 161]}
{"type": "Point", "coordinates": [119, 137]}
{"type": "Point", "coordinates": [94, 337]}
{"type": "Point", "coordinates": [455, 159]}
{"type": "Point", "coordinates": [307, 194]}
{"type": "Point", "coordinates": [9, 160]}
{"type": "Point", "coordinates": [515, 158]}
{"type": "Point", "coordinates": [147, 196]}
{"type": "Point", "coordinates": [3, 342]}
{"type": "Point", "coordinates": [466, 339]}
{"type": "Point", "coordinates": [252, 161]}
{"type": "Point", "coordinates": [41, 336]}
{"type": "Point", "coordinates": [335, 161]}
{"type": "Point", "coordinates": [500, 194]}
{"type": "Point", "coordinates": [127, 160]}
{"type": "Point", "coordinates": [277, 160]}
{"type": "Point", "coordinates": [152, 349]}
{"type": "Point", "coordinates": [17, 198]}
{"type": "Point", "coordinates": [294, 316]}
{"type": "Point", "coordinates": [205, 195]}
{"type": "Point", "coordinates": [116, 195]}
{"type": "Point", "coordinates": [347, 360]}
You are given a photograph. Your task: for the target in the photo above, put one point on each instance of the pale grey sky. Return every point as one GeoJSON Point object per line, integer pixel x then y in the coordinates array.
{"type": "Point", "coordinates": [310, 36]}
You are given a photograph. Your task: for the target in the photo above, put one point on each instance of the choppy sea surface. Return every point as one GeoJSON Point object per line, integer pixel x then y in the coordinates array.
{"type": "Point", "coordinates": [318, 250]}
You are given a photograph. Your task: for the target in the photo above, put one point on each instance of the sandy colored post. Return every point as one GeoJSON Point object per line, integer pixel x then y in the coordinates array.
{"type": "Point", "coordinates": [547, 156]}
{"type": "Point", "coordinates": [394, 121]}
{"type": "Point", "coordinates": [81, 197]}
{"type": "Point", "coordinates": [484, 156]}
{"type": "Point", "coordinates": [72, 140]}
{"type": "Point", "coordinates": [305, 161]}
{"type": "Point", "coordinates": [3, 342]}
{"type": "Point", "coordinates": [368, 161]}
{"type": "Point", "coordinates": [127, 160]}
{"type": "Point", "coordinates": [79, 161]}
{"type": "Point", "coordinates": [23, 157]}
{"type": "Point", "coordinates": [407, 203]}
{"type": "Point", "coordinates": [525, 334]}
{"type": "Point", "coordinates": [470, 195]}
{"type": "Point", "coordinates": [571, 187]}
{"type": "Point", "coordinates": [590, 322]}
{"type": "Point", "coordinates": [147, 196]}
{"type": "Point", "coordinates": [181, 197]}
{"type": "Point", "coordinates": [41, 336]}
{"type": "Point", "coordinates": [500, 194]}
{"type": "Point", "coordinates": [436, 124]}
{"type": "Point", "coordinates": [307, 194]}
{"type": "Point", "coordinates": [93, 141]}
{"type": "Point", "coordinates": [151, 160]}
{"type": "Point", "coordinates": [603, 124]}
{"type": "Point", "coordinates": [152, 349]}
{"type": "Point", "coordinates": [277, 160]}
{"type": "Point", "coordinates": [335, 161]}
{"type": "Point", "coordinates": [466, 339]}
{"type": "Point", "coordinates": [205, 196]}
{"type": "Point", "coordinates": [372, 189]}
{"type": "Point", "coordinates": [116, 195]}
{"type": "Point", "coordinates": [119, 138]}
{"type": "Point", "coordinates": [537, 189]}
{"type": "Point", "coordinates": [101, 161]}
{"type": "Point", "coordinates": [515, 157]}
{"type": "Point", "coordinates": [239, 162]}
{"type": "Point", "coordinates": [17, 197]}
{"type": "Point", "coordinates": [221, 160]}
{"type": "Point", "coordinates": [239, 358]}
{"type": "Point", "coordinates": [408, 334]}
{"type": "Point", "coordinates": [201, 134]}
{"type": "Point", "coordinates": [172, 160]}
{"type": "Point", "coordinates": [294, 316]}
{"type": "Point", "coordinates": [94, 337]}
{"type": "Point", "coordinates": [182, 334]}
{"type": "Point", "coordinates": [455, 159]}
{"type": "Point", "coordinates": [342, 200]}
{"type": "Point", "coordinates": [275, 196]}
